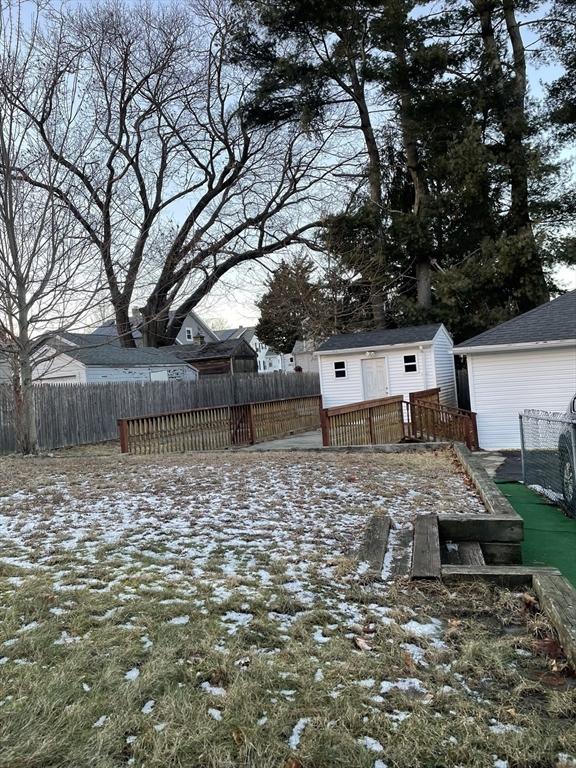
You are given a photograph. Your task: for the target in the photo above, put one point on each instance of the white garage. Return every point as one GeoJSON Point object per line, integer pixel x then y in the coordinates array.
{"type": "Point", "coordinates": [527, 362]}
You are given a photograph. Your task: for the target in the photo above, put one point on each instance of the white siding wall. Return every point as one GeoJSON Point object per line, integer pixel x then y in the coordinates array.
{"type": "Point", "coordinates": [350, 389]}
{"type": "Point", "coordinates": [503, 384]}
{"type": "Point", "coordinates": [444, 366]}
{"type": "Point", "coordinates": [60, 370]}
{"type": "Point", "coordinates": [307, 361]}
{"type": "Point", "coordinates": [96, 374]}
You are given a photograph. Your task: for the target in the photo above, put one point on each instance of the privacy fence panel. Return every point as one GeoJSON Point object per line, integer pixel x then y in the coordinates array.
{"type": "Point", "coordinates": [549, 456]}
{"type": "Point", "coordinates": [76, 414]}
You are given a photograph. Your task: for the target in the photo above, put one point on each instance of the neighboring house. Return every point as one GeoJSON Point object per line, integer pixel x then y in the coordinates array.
{"type": "Point", "coordinates": [526, 362]}
{"type": "Point", "coordinates": [375, 364]}
{"type": "Point", "coordinates": [268, 360]}
{"type": "Point", "coordinates": [218, 357]}
{"type": "Point", "coordinates": [272, 362]}
{"type": "Point", "coordinates": [5, 371]}
{"type": "Point", "coordinates": [193, 330]}
{"type": "Point", "coordinates": [304, 358]}
{"type": "Point", "coordinates": [89, 359]}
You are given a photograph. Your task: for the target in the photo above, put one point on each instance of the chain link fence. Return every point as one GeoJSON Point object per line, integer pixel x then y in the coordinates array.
{"type": "Point", "coordinates": [549, 456]}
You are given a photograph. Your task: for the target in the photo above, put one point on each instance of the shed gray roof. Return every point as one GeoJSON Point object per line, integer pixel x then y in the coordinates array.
{"type": "Point", "coordinates": [553, 321]}
{"type": "Point", "coordinates": [383, 337]}
{"type": "Point", "coordinates": [93, 350]}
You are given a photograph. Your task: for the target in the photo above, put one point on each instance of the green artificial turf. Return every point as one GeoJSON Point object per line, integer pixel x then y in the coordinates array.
{"type": "Point", "coordinates": [549, 536]}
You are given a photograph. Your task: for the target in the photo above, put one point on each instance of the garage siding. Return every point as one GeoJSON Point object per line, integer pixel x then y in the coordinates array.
{"type": "Point", "coordinates": [503, 384]}
{"type": "Point", "coordinates": [444, 365]}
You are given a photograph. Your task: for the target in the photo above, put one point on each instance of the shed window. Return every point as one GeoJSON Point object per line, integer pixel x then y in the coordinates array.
{"type": "Point", "coordinates": [189, 334]}
{"type": "Point", "coordinates": [340, 370]}
{"type": "Point", "coordinates": [410, 365]}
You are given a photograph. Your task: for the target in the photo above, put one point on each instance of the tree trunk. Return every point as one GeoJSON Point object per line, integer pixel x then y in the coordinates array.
{"type": "Point", "coordinates": [124, 324]}
{"type": "Point", "coordinates": [375, 189]}
{"type": "Point", "coordinates": [423, 268]}
{"type": "Point", "coordinates": [25, 407]}
{"type": "Point", "coordinates": [527, 278]}
{"type": "Point", "coordinates": [424, 282]}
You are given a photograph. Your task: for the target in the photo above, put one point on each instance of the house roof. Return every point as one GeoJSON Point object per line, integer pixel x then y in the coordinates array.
{"type": "Point", "coordinates": [109, 327]}
{"type": "Point", "coordinates": [212, 350]}
{"type": "Point", "coordinates": [384, 337]}
{"type": "Point", "coordinates": [237, 333]}
{"type": "Point", "coordinates": [92, 350]}
{"type": "Point", "coordinates": [553, 321]}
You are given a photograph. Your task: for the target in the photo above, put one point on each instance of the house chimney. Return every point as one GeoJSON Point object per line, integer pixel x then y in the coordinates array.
{"type": "Point", "coordinates": [198, 339]}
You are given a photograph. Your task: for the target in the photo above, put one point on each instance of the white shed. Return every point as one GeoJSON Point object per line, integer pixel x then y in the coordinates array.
{"type": "Point", "coordinates": [391, 361]}
{"type": "Point", "coordinates": [526, 362]}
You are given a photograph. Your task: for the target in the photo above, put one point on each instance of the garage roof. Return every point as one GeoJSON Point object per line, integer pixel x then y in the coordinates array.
{"type": "Point", "coordinates": [383, 337]}
{"type": "Point", "coordinates": [98, 350]}
{"type": "Point", "coordinates": [553, 321]}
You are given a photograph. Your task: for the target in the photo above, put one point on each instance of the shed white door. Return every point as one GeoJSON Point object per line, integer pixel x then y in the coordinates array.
{"type": "Point", "coordinates": [374, 378]}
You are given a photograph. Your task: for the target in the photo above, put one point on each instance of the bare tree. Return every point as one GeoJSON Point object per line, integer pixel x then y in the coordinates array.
{"type": "Point", "coordinates": [171, 185]}
{"type": "Point", "coordinates": [46, 278]}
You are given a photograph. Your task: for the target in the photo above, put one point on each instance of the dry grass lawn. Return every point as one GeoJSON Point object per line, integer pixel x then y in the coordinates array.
{"type": "Point", "coordinates": [208, 610]}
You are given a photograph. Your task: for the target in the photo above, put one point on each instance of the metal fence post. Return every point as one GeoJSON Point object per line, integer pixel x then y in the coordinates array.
{"type": "Point", "coordinates": [573, 440]}
{"type": "Point", "coordinates": [523, 447]}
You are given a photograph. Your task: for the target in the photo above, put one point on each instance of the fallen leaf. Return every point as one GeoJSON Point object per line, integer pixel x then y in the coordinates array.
{"type": "Point", "coordinates": [553, 680]}
{"type": "Point", "coordinates": [408, 661]}
{"type": "Point", "coordinates": [549, 646]}
{"type": "Point", "coordinates": [362, 644]}
{"type": "Point", "coordinates": [530, 602]}
{"type": "Point", "coordinates": [293, 762]}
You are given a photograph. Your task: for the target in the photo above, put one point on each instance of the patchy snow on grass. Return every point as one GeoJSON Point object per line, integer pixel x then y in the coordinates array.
{"type": "Point", "coordinates": [229, 585]}
{"type": "Point", "coordinates": [297, 732]}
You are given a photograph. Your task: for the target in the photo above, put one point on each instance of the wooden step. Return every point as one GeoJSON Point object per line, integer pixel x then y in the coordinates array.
{"type": "Point", "coordinates": [426, 562]}
{"type": "Point", "coordinates": [373, 547]}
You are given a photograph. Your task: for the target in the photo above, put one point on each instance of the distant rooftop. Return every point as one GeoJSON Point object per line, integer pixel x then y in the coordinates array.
{"type": "Point", "coordinates": [90, 350]}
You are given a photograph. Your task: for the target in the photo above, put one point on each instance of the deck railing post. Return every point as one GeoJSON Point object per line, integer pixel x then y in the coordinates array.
{"type": "Point", "coordinates": [123, 430]}
{"type": "Point", "coordinates": [523, 448]}
{"type": "Point", "coordinates": [324, 426]}
{"type": "Point", "coordinates": [251, 425]}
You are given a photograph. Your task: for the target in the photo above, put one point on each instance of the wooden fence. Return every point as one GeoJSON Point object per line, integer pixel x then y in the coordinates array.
{"type": "Point", "coordinates": [392, 419]}
{"type": "Point", "coordinates": [76, 414]}
{"type": "Point", "coordinates": [204, 429]}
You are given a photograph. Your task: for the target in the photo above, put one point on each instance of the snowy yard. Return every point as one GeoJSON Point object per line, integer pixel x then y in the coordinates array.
{"type": "Point", "coordinates": [208, 610]}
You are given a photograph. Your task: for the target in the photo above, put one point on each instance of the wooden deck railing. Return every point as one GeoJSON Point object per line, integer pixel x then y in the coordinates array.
{"type": "Point", "coordinates": [391, 419]}
{"type": "Point", "coordinates": [430, 422]}
{"type": "Point", "coordinates": [371, 422]}
{"type": "Point", "coordinates": [205, 429]}
{"type": "Point", "coordinates": [426, 396]}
